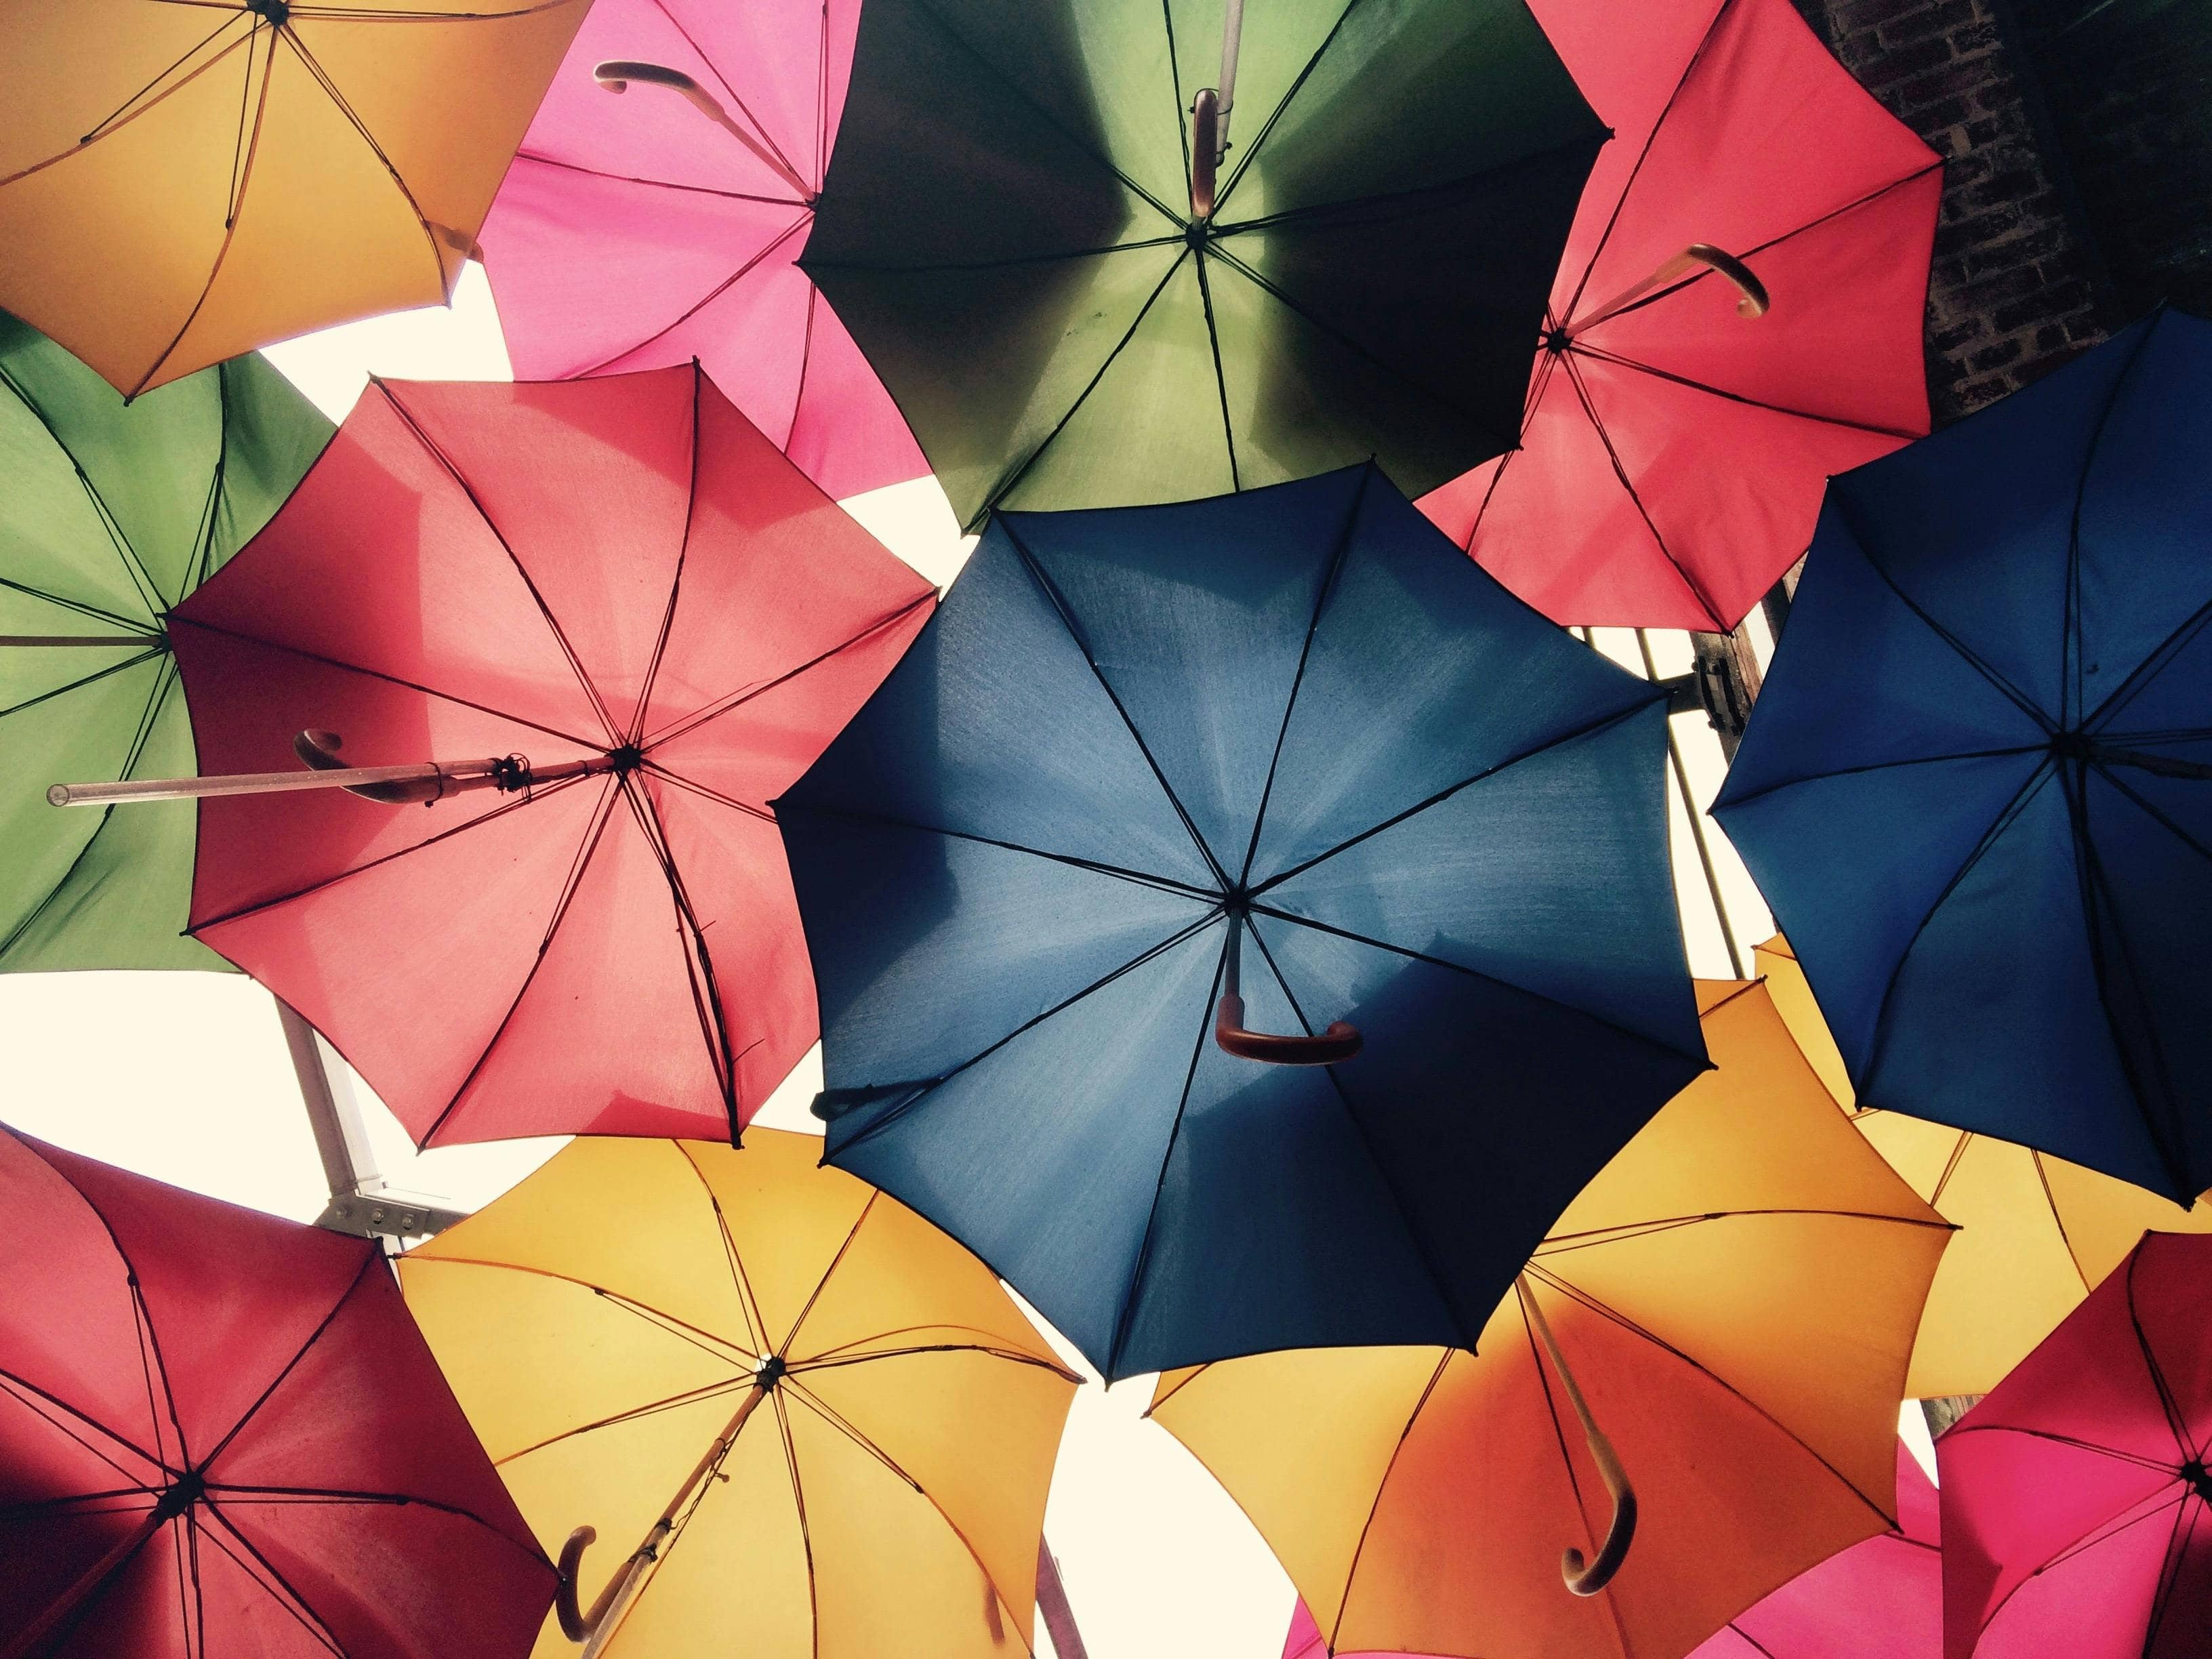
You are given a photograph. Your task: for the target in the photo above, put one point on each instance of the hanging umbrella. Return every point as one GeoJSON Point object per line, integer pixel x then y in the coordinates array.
{"type": "Point", "coordinates": [1738, 315]}
{"type": "Point", "coordinates": [1701, 1367]}
{"type": "Point", "coordinates": [2075, 1496]}
{"type": "Point", "coordinates": [1026, 232]}
{"type": "Point", "coordinates": [182, 183]}
{"type": "Point", "coordinates": [2036, 1234]}
{"type": "Point", "coordinates": [631, 234]}
{"type": "Point", "coordinates": [829, 1427]}
{"type": "Point", "coordinates": [1978, 788]}
{"type": "Point", "coordinates": [221, 1434]}
{"type": "Point", "coordinates": [1206, 867]}
{"type": "Point", "coordinates": [111, 514]}
{"type": "Point", "coordinates": [622, 595]}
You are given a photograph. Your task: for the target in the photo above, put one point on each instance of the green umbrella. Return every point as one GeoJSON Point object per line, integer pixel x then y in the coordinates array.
{"type": "Point", "coordinates": [110, 513]}
{"type": "Point", "coordinates": [1011, 229]}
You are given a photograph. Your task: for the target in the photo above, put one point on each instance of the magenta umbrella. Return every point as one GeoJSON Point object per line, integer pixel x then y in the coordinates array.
{"type": "Point", "coordinates": [654, 210]}
{"type": "Point", "coordinates": [2075, 1496]}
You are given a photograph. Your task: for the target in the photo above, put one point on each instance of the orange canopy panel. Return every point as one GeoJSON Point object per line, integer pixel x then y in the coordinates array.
{"type": "Point", "coordinates": [848, 1426]}
{"type": "Point", "coordinates": [2036, 1234]}
{"type": "Point", "coordinates": [1735, 1294]}
{"type": "Point", "coordinates": [182, 180]}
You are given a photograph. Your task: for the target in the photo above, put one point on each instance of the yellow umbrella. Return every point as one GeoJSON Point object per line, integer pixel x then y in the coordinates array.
{"type": "Point", "coordinates": [2036, 1233]}
{"type": "Point", "coordinates": [182, 180]}
{"type": "Point", "coordinates": [825, 1428]}
{"type": "Point", "coordinates": [1734, 1295]}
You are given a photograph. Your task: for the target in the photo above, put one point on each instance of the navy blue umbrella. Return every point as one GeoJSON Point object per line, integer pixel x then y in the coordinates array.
{"type": "Point", "coordinates": [1977, 788]}
{"type": "Point", "coordinates": [1243, 924]}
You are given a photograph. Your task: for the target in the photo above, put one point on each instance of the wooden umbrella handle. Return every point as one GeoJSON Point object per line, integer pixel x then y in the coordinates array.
{"type": "Point", "coordinates": [1755, 300]}
{"type": "Point", "coordinates": [1205, 150]}
{"type": "Point", "coordinates": [1340, 1042]}
{"type": "Point", "coordinates": [1588, 1578]}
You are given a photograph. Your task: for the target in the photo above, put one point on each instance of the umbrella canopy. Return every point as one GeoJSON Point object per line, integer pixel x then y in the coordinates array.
{"type": "Point", "coordinates": [2036, 1234]}
{"type": "Point", "coordinates": [111, 514]}
{"type": "Point", "coordinates": [2076, 1496]}
{"type": "Point", "coordinates": [1738, 315]}
{"type": "Point", "coordinates": [219, 1433]}
{"type": "Point", "coordinates": [631, 234]}
{"type": "Point", "coordinates": [616, 576]}
{"type": "Point", "coordinates": [182, 183]}
{"type": "Point", "coordinates": [1289, 750]}
{"type": "Point", "coordinates": [1734, 1297]}
{"type": "Point", "coordinates": [878, 1417]}
{"type": "Point", "coordinates": [1977, 788]}
{"type": "Point", "coordinates": [1009, 230]}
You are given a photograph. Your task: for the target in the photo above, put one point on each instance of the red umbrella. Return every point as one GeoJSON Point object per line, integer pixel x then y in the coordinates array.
{"type": "Point", "coordinates": [2075, 1495]}
{"type": "Point", "coordinates": [631, 234]}
{"type": "Point", "coordinates": [1737, 315]}
{"type": "Point", "coordinates": [221, 1434]}
{"type": "Point", "coordinates": [619, 593]}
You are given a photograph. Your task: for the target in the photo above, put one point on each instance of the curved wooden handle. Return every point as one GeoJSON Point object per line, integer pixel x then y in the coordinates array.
{"type": "Point", "coordinates": [575, 1626]}
{"type": "Point", "coordinates": [1588, 1580]}
{"type": "Point", "coordinates": [1205, 150]}
{"type": "Point", "coordinates": [1754, 302]}
{"type": "Point", "coordinates": [1340, 1042]}
{"type": "Point", "coordinates": [319, 750]}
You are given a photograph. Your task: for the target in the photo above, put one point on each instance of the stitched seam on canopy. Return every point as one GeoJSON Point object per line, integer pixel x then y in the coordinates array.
{"type": "Point", "coordinates": [804, 219]}
{"type": "Point", "coordinates": [636, 733]}
{"type": "Point", "coordinates": [1059, 607]}
{"type": "Point", "coordinates": [821, 1284]}
{"type": "Point", "coordinates": [697, 1335]}
{"type": "Point", "coordinates": [1011, 262]}
{"type": "Point", "coordinates": [692, 787]}
{"type": "Point", "coordinates": [369, 1258]}
{"type": "Point", "coordinates": [749, 1307]}
{"type": "Point", "coordinates": [1328, 587]}
{"type": "Point", "coordinates": [1012, 1356]}
{"type": "Point", "coordinates": [113, 124]}
{"type": "Point", "coordinates": [2152, 810]}
{"type": "Point", "coordinates": [1539, 381]}
{"type": "Point", "coordinates": [739, 1381]}
{"type": "Point", "coordinates": [159, 1463]}
{"type": "Point", "coordinates": [2177, 1422]}
{"type": "Point", "coordinates": [279, 1497]}
{"type": "Point", "coordinates": [534, 160]}
{"type": "Point", "coordinates": [1133, 1286]}
{"type": "Point", "coordinates": [715, 69]}
{"type": "Point", "coordinates": [275, 1586]}
{"type": "Point", "coordinates": [142, 578]}
{"type": "Point", "coordinates": [1766, 789]}
{"type": "Point", "coordinates": [2068, 1440]}
{"type": "Point", "coordinates": [134, 631]}
{"type": "Point", "coordinates": [2177, 1553]}
{"type": "Point", "coordinates": [1417, 200]}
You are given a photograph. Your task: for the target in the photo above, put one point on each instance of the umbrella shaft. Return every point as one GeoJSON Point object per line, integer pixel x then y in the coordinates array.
{"type": "Point", "coordinates": [455, 776]}
{"type": "Point", "coordinates": [34, 1636]}
{"type": "Point", "coordinates": [112, 641]}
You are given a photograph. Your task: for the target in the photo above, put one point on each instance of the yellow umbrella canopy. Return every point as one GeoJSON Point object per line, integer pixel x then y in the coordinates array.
{"type": "Point", "coordinates": [2036, 1234]}
{"type": "Point", "coordinates": [182, 180]}
{"type": "Point", "coordinates": [1735, 1295]}
{"type": "Point", "coordinates": [846, 1426]}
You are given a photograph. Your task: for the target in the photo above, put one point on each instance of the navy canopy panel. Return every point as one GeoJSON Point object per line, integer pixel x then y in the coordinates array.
{"type": "Point", "coordinates": [1443, 819]}
{"type": "Point", "coordinates": [1976, 790]}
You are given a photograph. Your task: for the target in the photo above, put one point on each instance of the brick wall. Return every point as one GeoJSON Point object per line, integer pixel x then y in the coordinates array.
{"type": "Point", "coordinates": [2016, 287]}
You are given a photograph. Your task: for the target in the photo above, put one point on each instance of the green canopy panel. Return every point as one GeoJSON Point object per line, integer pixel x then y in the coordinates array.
{"type": "Point", "coordinates": [110, 513]}
{"type": "Point", "coordinates": [1006, 229]}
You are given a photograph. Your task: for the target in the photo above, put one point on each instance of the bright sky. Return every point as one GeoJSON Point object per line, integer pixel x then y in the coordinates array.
{"type": "Point", "coordinates": [184, 1077]}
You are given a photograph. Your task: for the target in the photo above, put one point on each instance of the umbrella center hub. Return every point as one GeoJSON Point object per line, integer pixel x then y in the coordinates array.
{"type": "Point", "coordinates": [186, 1491]}
{"type": "Point", "coordinates": [2073, 745]}
{"type": "Point", "coordinates": [276, 11]}
{"type": "Point", "coordinates": [1197, 232]}
{"type": "Point", "coordinates": [770, 1372]}
{"type": "Point", "coordinates": [2198, 1477]}
{"type": "Point", "coordinates": [1557, 340]}
{"type": "Point", "coordinates": [1238, 902]}
{"type": "Point", "coordinates": [628, 759]}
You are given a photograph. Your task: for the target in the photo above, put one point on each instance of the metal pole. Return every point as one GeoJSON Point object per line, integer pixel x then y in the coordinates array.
{"type": "Point", "coordinates": [1052, 1602]}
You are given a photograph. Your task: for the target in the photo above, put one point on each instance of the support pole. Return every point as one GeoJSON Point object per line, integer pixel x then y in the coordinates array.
{"type": "Point", "coordinates": [1052, 1602]}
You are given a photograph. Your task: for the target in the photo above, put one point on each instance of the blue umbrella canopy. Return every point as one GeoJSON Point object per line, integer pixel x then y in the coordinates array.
{"type": "Point", "coordinates": [1295, 726]}
{"type": "Point", "coordinates": [1977, 788]}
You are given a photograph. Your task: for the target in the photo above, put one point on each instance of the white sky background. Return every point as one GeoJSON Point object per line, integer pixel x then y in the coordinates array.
{"type": "Point", "coordinates": [186, 1077]}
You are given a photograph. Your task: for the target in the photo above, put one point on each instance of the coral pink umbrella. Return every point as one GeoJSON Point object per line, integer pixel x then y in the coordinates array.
{"type": "Point", "coordinates": [1737, 315]}
{"type": "Point", "coordinates": [649, 228]}
{"type": "Point", "coordinates": [2076, 1496]}
{"type": "Point", "coordinates": [592, 627]}
{"type": "Point", "coordinates": [222, 1436]}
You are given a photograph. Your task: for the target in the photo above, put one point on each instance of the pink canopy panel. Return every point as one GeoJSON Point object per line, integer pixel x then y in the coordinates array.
{"type": "Point", "coordinates": [634, 232]}
{"type": "Point", "coordinates": [1674, 449]}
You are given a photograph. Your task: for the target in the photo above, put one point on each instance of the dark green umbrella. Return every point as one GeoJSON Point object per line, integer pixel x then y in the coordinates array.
{"type": "Point", "coordinates": [110, 513]}
{"type": "Point", "coordinates": [1008, 229]}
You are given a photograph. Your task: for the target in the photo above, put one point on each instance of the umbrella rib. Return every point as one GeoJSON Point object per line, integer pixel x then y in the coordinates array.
{"type": "Point", "coordinates": [536, 160]}
{"type": "Point", "coordinates": [2159, 657]}
{"type": "Point", "coordinates": [693, 786]}
{"type": "Point", "coordinates": [1175, 84]}
{"type": "Point", "coordinates": [1547, 365]}
{"type": "Point", "coordinates": [924, 1088]}
{"type": "Point", "coordinates": [149, 591]}
{"type": "Point", "coordinates": [836, 1261]}
{"type": "Point", "coordinates": [1051, 116]}
{"type": "Point", "coordinates": [1763, 790]}
{"type": "Point", "coordinates": [1589, 728]}
{"type": "Point", "coordinates": [1410, 202]}
{"type": "Point", "coordinates": [2152, 808]}
{"type": "Point", "coordinates": [1267, 127]}
{"type": "Point", "coordinates": [2058, 1221]}
{"type": "Point", "coordinates": [1695, 588]}
{"type": "Point", "coordinates": [68, 1501]}
{"type": "Point", "coordinates": [697, 1336]}
{"type": "Point", "coordinates": [2069, 627]}
{"type": "Point", "coordinates": [1083, 647]}
{"type": "Point", "coordinates": [2176, 1552]}
{"type": "Point", "coordinates": [316, 886]}
{"type": "Point", "coordinates": [715, 70]}
{"type": "Point", "coordinates": [274, 1585]}
{"type": "Point", "coordinates": [1336, 558]}
{"type": "Point", "coordinates": [742, 1382]}
{"type": "Point", "coordinates": [136, 630]}
{"type": "Point", "coordinates": [2176, 1422]}
{"type": "Point", "coordinates": [1557, 1244]}
{"type": "Point", "coordinates": [1011, 1356]}
{"type": "Point", "coordinates": [805, 367]}
{"type": "Point", "coordinates": [749, 1306]}
{"type": "Point", "coordinates": [38, 1409]}
{"type": "Point", "coordinates": [468, 491]}
{"type": "Point", "coordinates": [1138, 878]}
{"type": "Point", "coordinates": [113, 124]}
{"type": "Point", "coordinates": [1841, 502]}
{"type": "Point", "coordinates": [1134, 1287]}
{"type": "Point", "coordinates": [1601, 354]}
{"type": "Point", "coordinates": [2113, 1452]}
{"type": "Point", "coordinates": [1441, 400]}
{"type": "Point", "coordinates": [721, 706]}
{"type": "Point", "coordinates": [799, 1506]}
{"type": "Point", "coordinates": [1006, 485]}
{"type": "Point", "coordinates": [1220, 381]}
{"type": "Point", "coordinates": [595, 828]}
{"type": "Point", "coordinates": [339, 1497]}
{"type": "Point", "coordinates": [675, 581]}
{"type": "Point", "coordinates": [2094, 889]}
{"type": "Point", "coordinates": [805, 218]}
{"type": "Point", "coordinates": [360, 1273]}
{"type": "Point", "coordinates": [1375, 1505]}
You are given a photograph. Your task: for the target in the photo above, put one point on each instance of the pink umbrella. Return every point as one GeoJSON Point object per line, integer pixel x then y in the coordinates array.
{"type": "Point", "coordinates": [631, 234]}
{"type": "Point", "coordinates": [1881, 1599]}
{"type": "Point", "coordinates": [2075, 1495]}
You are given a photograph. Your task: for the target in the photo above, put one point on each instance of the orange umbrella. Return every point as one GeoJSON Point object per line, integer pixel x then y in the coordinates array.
{"type": "Point", "coordinates": [182, 182]}
{"type": "Point", "coordinates": [2036, 1234]}
{"type": "Point", "coordinates": [1731, 1302]}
